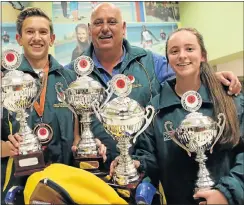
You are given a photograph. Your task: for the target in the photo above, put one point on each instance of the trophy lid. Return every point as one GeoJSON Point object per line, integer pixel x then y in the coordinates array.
{"type": "Point", "coordinates": [11, 60]}
{"type": "Point", "coordinates": [122, 108]}
{"type": "Point", "coordinates": [85, 82]}
{"type": "Point", "coordinates": [196, 120]}
{"type": "Point", "coordinates": [83, 66]}
{"type": "Point", "coordinates": [16, 77]}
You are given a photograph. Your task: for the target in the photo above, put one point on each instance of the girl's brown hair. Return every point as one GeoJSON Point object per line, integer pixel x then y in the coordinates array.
{"type": "Point", "coordinates": [222, 103]}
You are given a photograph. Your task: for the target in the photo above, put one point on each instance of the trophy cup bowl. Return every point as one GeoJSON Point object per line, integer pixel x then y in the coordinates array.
{"type": "Point", "coordinates": [78, 97]}
{"type": "Point", "coordinates": [124, 119]}
{"type": "Point", "coordinates": [197, 134]}
{"type": "Point", "coordinates": [19, 92]}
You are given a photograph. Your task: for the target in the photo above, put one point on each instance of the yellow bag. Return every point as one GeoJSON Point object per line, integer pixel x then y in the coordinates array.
{"type": "Point", "coordinates": [62, 184]}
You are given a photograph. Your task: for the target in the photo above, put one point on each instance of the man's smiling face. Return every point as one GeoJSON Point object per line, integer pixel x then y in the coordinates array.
{"type": "Point", "coordinates": [107, 28]}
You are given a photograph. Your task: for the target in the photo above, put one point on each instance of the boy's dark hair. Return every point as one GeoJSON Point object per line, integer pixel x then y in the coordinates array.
{"type": "Point", "coordinates": [30, 12]}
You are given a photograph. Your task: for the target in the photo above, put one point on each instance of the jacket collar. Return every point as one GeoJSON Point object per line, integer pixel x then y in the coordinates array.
{"type": "Point", "coordinates": [132, 52]}
{"type": "Point", "coordinates": [168, 97]}
{"type": "Point", "coordinates": [26, 67]}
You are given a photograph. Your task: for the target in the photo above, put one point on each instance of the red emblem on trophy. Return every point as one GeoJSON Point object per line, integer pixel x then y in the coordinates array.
{"type": "Point", "coordinates": [11, 59]}
{"type": "Point", "coordinates": [132, 78]}
{"type": "Point", "coordinates": [83, 65]}
{"type": "Point", "coordinates": [121, 85]}
{"type": "Point", "coordinates": [191, 101]}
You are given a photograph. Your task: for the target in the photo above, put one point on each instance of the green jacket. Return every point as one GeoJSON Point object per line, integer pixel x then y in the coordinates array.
{"type": "Point", "coordinates": [163, 159]}
{"type": "Point", "coordinates": [138, 63]}
{"type": "Point", "coordinates": [58, 117]}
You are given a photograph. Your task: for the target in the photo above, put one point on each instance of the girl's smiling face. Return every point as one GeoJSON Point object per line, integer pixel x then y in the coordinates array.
{"type": "Point", "coordinates": [184, 53]}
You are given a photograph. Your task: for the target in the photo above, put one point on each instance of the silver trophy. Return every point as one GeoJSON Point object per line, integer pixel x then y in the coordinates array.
{"type": "Point", "coordinates": [124, 119]}
{"type": "Point", "coordinates": [197, 134]}
{"type": "Point", "coordinates": [78, 97]}
{"type": "Point", "coordinates": [19, 91]}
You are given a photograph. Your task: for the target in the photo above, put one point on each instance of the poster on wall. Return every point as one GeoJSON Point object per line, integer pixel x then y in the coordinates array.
{"type": "Point", "coordinates": [162, 11]}
{"type": "Point", "coordinates": [79, 12]}
{"type": "Point", "coordinates": [74, 17]}
{"type": "Point", "coordinates": [8, 34]}
{"type": "Point", "coordinates": [72, 32]}
{"type": "Point", "coordinates": [17, 5]}
{"type": "Point", "coordinates": [74, 39]}
{"type": "Point", "coordinates": [8, 26]}
{"type": "Point", "coordinates": [151, 36]}
{"type": "Point", "coordinates": [70, 42]}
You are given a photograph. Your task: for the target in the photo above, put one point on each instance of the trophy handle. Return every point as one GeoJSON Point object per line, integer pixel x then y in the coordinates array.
{"type": "Point", "coordinates": [61, 94]}
{"type": "Point", "coordinates": [168, 126]}
{"type": "Point", "coordinates": [150, 111]}
{"type": "Point", "coordinates": [109, 92]}
{"type": "Point", "coordinates": [96, 109]}
{"type": "Point", "coordinates": [41, 86]}
{"type": "Point", "coordinates": [221, 125]}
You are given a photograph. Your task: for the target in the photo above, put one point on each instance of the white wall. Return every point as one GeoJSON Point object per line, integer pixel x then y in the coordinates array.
{"type": "Point", "coordinates": [220, 23]}
{"type": "Point", "coordinates": [235, 66]}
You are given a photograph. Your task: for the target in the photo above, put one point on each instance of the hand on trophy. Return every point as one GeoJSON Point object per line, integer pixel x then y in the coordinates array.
{"type": "Point", "coordinates": [115, 163]}
{"type": "Point", "coordinates": [212, 197]}
{"type": "Point", "coordinates": [14, 143]}
{"type": "Point", "coordinates": [102, 149]}
{"type": "Point", "coordinates": [8, 149]}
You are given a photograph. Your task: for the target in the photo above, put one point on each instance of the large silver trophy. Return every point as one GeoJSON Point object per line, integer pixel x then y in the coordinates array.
{"type": "Point", "coordinates": [19, 91]}
{"type": "Point", "coordinates": [197, 134]}
{"type": "Point", "coordinates": [78, 97]}
{"type": "Point", "coordinates": [124, 119]}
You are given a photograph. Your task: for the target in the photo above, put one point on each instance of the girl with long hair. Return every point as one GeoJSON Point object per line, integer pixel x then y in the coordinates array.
{"type": "Point", "coordinates": [162, 159]}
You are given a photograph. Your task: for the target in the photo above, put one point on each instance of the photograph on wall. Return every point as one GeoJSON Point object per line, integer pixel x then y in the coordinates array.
{"type": "Point", "coordinates": [18, 5]}
{"type": "Point", "coordinates": [162, 11]}
{"type": "Point", "coordinates": [71, 41]}
{"type": "Point", "coordinates": [74, 39]}
{"type": "Point", "coordinates": [150, 36]}
{"type": "Point", "coordinates": [79, 12]}
{"type": "Point", "coordinates": [8, 34]}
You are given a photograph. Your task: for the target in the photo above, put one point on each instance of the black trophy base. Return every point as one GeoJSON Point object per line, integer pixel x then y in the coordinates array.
{"type": "Point", "coordinates": [91, 163]}
{"type": "Point", "coordinates": [28, 164]}
{"type": "Point", "coordinates": [125, 191]}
